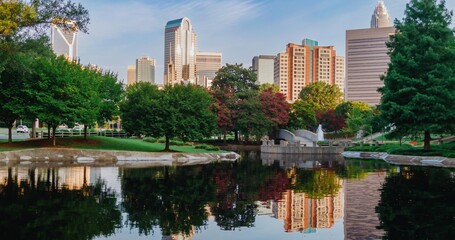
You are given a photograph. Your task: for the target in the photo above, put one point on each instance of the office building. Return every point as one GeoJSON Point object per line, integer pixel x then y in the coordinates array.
{"type": "Point", "coordinates": [367, 59]}
{"type": "Point", "coordinates": [263, 66]}
{"type": "Point", "coordinates": [145, 69]}
{"type": "Point", "coordinates": [64, 41]}
{"type": "Point", "coordinates": [131, 76]}
{"type": "Point", "coordinates": [207, 64]}
{"type": "Point", "coordinates": [179, 52]}
{"type": "Point", "coordinates": [304, 64]}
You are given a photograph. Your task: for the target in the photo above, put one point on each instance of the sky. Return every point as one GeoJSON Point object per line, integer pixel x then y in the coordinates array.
{"type": "Point", "coordinates": [121, 31]}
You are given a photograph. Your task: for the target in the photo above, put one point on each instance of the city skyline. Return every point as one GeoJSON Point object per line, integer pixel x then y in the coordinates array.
{"type": "Point", "coordinates": [235, 28]}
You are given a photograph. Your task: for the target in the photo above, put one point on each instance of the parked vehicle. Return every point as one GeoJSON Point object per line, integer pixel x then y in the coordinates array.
{"type": "Point", "coordinates": [22, 129]}
{"type": "Point", "coordinates": [77, 128]}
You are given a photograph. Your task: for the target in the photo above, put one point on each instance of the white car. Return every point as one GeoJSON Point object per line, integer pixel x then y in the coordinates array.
{"type": "Point", "coordinates": [78, 128]}
{"type": "Point", "coordinates": [22, 129]}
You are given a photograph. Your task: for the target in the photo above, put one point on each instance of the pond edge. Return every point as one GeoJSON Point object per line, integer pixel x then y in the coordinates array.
{"type": "Point", "coordinates": [433, 161]}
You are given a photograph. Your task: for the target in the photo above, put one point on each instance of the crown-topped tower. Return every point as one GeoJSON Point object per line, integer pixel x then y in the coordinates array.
{"type": "Point", "coordinates": [381, 17]}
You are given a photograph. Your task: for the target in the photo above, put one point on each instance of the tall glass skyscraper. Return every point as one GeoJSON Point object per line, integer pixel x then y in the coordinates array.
{"type": "Point", "coordinates": [179, 52]}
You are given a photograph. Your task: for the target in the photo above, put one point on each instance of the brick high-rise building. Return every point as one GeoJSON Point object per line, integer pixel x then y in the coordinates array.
{"type": "Point", "coordinates": [304, 64]}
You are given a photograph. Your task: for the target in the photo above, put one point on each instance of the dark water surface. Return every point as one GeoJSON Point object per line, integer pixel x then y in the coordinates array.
{"type": "Point", "coordinates": [248, 199]}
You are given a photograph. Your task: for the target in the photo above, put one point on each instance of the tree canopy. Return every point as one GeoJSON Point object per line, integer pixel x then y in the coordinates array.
{"type": "Point", "coordinates": [419, 86]}
{"type": "Point", "coordinates": [181, 111]}
{"type": "Point", "coordinates": [322, 95]}
{"type": "Point", "coordinates": [37, 15]}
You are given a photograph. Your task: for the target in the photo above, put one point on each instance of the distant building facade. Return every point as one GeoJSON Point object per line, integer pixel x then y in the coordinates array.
{"type": "Point", "coordinates": [64, 41]}
{"type": "Point", "coordinates": [145, 69]}
{"type": "Point", "coordinates": [131, 76]}
{"type": "Point", "coordinates": [207, 64]}
{"type": "Point", "coordinates": [367, 59]}
{"type": "Point", "coordinates": [263, 66]}
{"type": "Point", "coordinates": [179, 52]}
{"type": "Point", "coordinates": [304, 64]}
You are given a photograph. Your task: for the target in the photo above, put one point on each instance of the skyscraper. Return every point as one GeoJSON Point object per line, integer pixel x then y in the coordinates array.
{"type": "Point", "coordinates": [179, 52]}
{"type": "Point", "coordinates": [381, 17]}
{"type": "Point", "coordinates": [64, 41]}
{"type": "Point", "coordinates": [145, 69]}
{"type": "Point", "coordinates": [131, 77]}
{"type": "Point", "coordinates": [207, 64]}
{"type": "Point", "coordinates": [367, 59]}
{"type": "Point", "coordinates": [304, 64]}
{"type": "Point", "coordinates": [263, 66]}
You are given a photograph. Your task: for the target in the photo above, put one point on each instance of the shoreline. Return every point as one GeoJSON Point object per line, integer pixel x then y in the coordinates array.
{"type": "Point", "coordinates": [431, 161]}
{"type": "Point", "coordinates": [83, 157]}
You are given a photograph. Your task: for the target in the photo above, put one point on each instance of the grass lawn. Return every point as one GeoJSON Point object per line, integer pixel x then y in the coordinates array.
{"type": "Point", "coordinates": [446, 149]}
{"type": "Point", "coordinates": [101, 143]}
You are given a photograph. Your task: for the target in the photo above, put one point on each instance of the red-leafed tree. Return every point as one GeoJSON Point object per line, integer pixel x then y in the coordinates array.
{"type": "Point", "coordinates": [223, 106]}
{"type": "Point", "coordinates": [274, 107]}
{"type": "Point", "coordinates": [331, 121]}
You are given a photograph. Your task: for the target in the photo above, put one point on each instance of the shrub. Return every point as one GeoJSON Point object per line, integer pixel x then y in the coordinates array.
{"type": "Point", "coordinates": [150, 140]}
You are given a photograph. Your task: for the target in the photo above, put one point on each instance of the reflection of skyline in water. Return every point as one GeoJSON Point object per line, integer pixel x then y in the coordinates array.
{"type": "Point", "coordinates": [315, 198]}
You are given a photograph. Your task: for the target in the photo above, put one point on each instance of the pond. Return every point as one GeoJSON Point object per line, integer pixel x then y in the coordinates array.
{"type": "Point", "coordinates": [247, 199]}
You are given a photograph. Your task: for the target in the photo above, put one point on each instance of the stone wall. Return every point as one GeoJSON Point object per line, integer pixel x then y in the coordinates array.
{"type": "Point", "coordinates": [64, 156]}
{"type": "Point", "coordinates": [433, 161]}
{"type": "Point", "coordinates": [285, 148]}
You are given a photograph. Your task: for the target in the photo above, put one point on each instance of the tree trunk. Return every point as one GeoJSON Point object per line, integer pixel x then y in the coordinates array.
{"type": "Point", "coordinates": [85, 132]}
{"type": "Point", "coordinates": [53, 135]}
{"type": "Point", "coordinates": [48, 131]}
{"type": "Point", "coordinates": [10, 134]}
{"type": "Point", "coordinates": [224, 139]}
{"type": "Point", "coordinates": [236, 136]}
{"type": "Point", "coordinates": [33, 128]}
{"type": "Point", "coordinates": [426, 141]}
{"type": "Point", "coordinates": [166, 148]}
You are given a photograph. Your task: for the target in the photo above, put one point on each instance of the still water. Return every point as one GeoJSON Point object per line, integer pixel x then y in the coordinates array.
{"type": "Point", "coordinates": [247, 199]}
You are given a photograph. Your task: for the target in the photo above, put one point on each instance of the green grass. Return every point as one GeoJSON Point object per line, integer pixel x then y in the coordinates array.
{"type": "Point", "coordinates": [446, 150]}
{"type": "Point", "coordinates": [104, 143]}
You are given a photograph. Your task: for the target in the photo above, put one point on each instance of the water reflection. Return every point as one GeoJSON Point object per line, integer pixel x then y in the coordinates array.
{"type": "Point", "coordinates": [36, 204]}
{"type": "Point", "coordinates": [417, 203]}
{"type": "Point", "coordinates": [265, 198]}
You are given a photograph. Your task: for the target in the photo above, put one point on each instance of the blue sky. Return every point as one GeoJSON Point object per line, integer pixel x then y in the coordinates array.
{"type": "Point", "coordinates": [122, 30]}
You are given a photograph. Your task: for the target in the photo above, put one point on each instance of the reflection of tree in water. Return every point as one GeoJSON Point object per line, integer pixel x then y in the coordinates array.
{"type": "Point", "coordinates": [173, 198]}
{"type": "Point", "coordinates": [417, 203]}
{"type": "Point", "coordinates": [317, 183]}
{"type": "Point", "coordinates": [39, 210]}
{"type": "Point", "coordinates": [359, 168]}
{"type": "Point", "coordinates": [238, 187]}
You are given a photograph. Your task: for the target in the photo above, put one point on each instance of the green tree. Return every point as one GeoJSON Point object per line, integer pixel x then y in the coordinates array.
{"type": "Point", "coordinates": [37, 15]}
{"type": "Point", "coordinates": [56, 94]}
{"type": "Point", "coordinates": [14, 15]}
{"type": "Point", "coordinates": [302, 116]}
{"type": "Point", "coordinates": [141, 110]}
{"type": "Point", "coordinates": [359, 120]}
{"type": "Point", "coordinates": [345, 108]}
{"type": "Point", "coordinates": [17, 57]}
{"type": "Point", "coordinates": [323, 96]}
{"type": "Point", "coordinates": [232, 83]}
{"type": "Point", "coordinates": [251, 118]}
{"type": "Point", "coordinates": [177, 111]}
{"type": "Point", "coordinates": [187, 113]}
{"type": "Point", "coordinates": [110, 92]}
{"type": "Point", "coordinates": [234, 76]}
{"type": "Point", "coordinates": [419, 86]}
